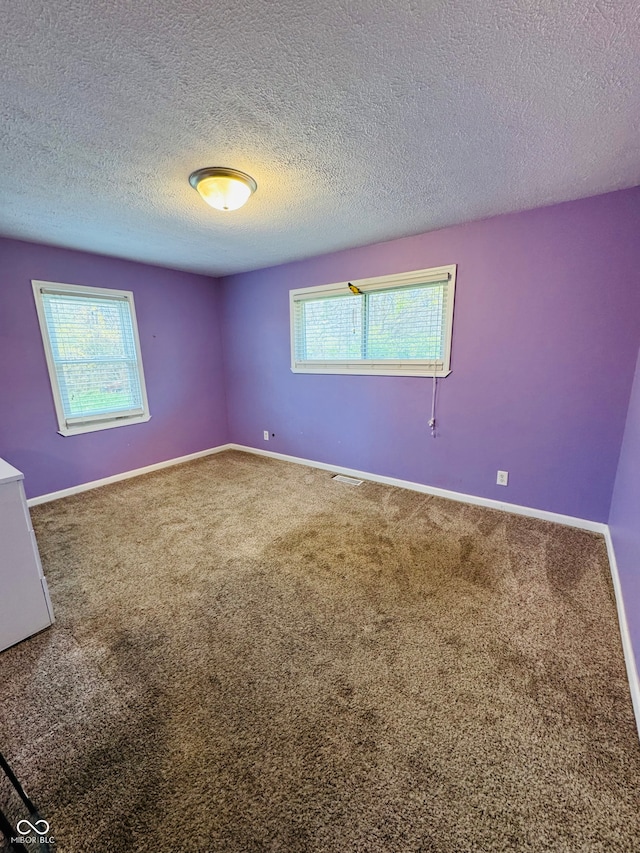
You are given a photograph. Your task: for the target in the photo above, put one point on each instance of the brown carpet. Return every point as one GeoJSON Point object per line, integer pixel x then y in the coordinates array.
{"type": "Point", "coordinates": [252, 657]}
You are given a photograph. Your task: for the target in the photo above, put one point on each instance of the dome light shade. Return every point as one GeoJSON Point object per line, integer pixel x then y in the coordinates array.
{"type": "Point", "coordinates": [224, 189]}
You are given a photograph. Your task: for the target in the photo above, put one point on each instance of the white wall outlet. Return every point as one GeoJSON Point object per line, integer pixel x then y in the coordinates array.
{"type": "Point", "coordinates": [265, 435]}
{"type": "Point", "coordinates": [503, 478]}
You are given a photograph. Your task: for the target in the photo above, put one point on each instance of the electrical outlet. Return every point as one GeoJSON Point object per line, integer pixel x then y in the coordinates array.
{"type": "Point", "coordinates": [503, 478]}
{"type": "Point", "coordinates": [265, 435]}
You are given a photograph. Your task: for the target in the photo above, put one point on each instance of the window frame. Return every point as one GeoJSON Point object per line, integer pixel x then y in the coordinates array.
{"type": "Point", "coordinates": [89, 423]}
{"type": "Point", "coordinates": [378, 367]}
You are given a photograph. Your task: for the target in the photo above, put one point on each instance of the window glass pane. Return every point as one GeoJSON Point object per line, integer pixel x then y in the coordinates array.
{"type": "Point", "coordinates": [395, 325]}
{"type": "Point", "coordinates": [94, 352]}
{"type": "Point", "coordinates": [92, 388]}
{"type": "Point", "coordinates": [407, 323]}
{"type": "Point", "coordinates": [330, 328]}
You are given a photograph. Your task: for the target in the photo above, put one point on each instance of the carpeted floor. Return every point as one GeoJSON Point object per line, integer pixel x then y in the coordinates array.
{"type": "Point", "coordinates": [252, 657]}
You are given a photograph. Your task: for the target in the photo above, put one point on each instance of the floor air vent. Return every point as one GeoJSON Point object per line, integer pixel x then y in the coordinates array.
{"type": "Point", "coordinates": [350, 481]}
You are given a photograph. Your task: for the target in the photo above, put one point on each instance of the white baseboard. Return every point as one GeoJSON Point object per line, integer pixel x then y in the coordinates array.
{"type": "Point", "coordinates": [558, 518]}
{"type": "Point", "coordinates": [627, 647]}
{"type": "Point", "coordinates": [125, 475]}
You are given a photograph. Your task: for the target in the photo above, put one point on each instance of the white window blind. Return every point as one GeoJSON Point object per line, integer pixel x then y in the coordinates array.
{"type": "Point", "coordinates": [394, 325]}
{"type": "Point", "coordinates": [93, 354]}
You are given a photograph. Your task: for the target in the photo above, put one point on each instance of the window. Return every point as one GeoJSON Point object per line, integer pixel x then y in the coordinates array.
{"type": "Point", "coordinates": [392, 325]}
{"type": "Point", "coordinates": [91, 344]}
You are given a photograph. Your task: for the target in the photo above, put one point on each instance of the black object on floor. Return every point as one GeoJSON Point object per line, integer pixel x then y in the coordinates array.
{"type": "Point", "coordinates": [30, 825]}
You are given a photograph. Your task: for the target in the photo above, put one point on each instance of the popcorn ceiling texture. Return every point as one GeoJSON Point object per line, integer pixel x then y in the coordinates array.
{"type": "Point", "coordinates": [361, 121]}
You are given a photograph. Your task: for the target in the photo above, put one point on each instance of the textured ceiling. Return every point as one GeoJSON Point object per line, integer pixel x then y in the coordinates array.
{"type": "Point", "coordinates": [361, 120]}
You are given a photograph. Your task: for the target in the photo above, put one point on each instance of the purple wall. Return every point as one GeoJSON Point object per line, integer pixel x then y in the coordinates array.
{"type": "Point", "coordinates": [178, 320]}
{"type": "Point", "coordinates": [546, 334]}
{"type": "Point", "coordinates": [624, 520]}
{"type": "Point", "coordinates": [546, 330]}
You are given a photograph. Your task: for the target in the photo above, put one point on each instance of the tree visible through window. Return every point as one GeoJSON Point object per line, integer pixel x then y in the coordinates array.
{"type": "Point", "coordinates": [93, 354]}
{"type": "Point", "coordinates": [396, 324]}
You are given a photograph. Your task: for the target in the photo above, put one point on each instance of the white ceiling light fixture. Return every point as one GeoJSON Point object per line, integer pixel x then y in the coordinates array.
{"type": "Point", "coordinates": [224, 189]}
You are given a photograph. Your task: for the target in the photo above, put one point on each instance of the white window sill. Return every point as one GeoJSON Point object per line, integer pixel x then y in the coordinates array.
{"type": "Point", "coordinates": [78, 429]}
{"type": "Point", "coordinates": [373, 371]}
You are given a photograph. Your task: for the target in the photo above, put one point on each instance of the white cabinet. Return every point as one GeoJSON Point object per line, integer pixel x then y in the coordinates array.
{"type": "Point", "coordinates": [25, 607]}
